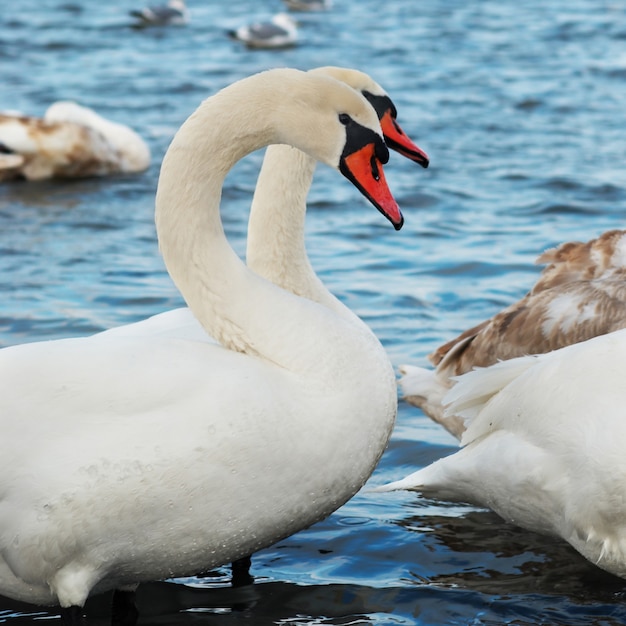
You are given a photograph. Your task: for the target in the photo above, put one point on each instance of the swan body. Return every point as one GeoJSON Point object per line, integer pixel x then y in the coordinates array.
{"type": "Point", "coordinates": [129, 457]}
{"type": "Point", "coordinates": [544, 447]}
{"type": "Point", "coordinates": [70, 141]}
{"type": "Point", "coordinates": [579, 295]}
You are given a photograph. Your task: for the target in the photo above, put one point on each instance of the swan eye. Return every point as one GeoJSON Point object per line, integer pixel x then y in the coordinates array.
{"type": "Point", "coordinates": [344, 118]}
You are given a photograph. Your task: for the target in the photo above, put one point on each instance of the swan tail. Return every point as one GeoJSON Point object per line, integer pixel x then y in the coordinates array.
{"type": "Point", "coordinates": [473, 390]}
{"type": "Point", "coordinates": [425, 388]}
{"type": "Point", "coordinates": [420, 384]}
{"type": "Point", "coordinates": [439, 479]}
{"type": "Point", "coordinates": [412, 482]}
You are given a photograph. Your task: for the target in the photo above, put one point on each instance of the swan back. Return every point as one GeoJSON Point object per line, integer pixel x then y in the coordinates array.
{"type": "Point", "coordinates": [134, 154]}
{"type": "Point", "coordinates": [544, 446]}
{"type": "Point", "coordinates": [71, 141]}
{"type": "Point", "coordinates": [579, 295]}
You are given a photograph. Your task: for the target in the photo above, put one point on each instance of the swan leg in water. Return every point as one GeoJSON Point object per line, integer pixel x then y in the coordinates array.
{"type": "Point", "coordinates": [123, 609]}
{"type": "Point", "coordinates": [73, 616]}
{"type": "Point", "coordinates": [241, 572]}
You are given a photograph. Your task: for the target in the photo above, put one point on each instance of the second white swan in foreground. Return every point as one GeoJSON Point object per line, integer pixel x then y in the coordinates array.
{"type": "Point", "coordinates": [131, 458]}
{"type": "Point", "coordinates": [545, 446]}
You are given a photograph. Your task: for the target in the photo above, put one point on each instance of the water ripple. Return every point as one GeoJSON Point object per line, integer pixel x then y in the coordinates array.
{"type": "Point", "coordinates": [521, 108]}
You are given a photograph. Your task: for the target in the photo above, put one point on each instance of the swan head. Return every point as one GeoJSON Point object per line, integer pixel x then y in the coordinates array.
{"type": "Point", "coordinates": [395, 137]}
{"type": "Point", "coordinates": [335, 124]}
{"type": "Point", "coordinates": [319, 115]}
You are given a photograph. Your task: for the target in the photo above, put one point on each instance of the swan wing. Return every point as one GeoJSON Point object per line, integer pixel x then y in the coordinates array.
{"type": "Point", "coordinates": [177, 323]}
{"type": "Point", "coordinates": [545, 446]}
{"type": "Point", "coordinates": [579, 295]}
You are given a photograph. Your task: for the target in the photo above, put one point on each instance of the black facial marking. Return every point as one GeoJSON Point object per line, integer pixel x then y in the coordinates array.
{"type": "Point", "coordinates": [381, 104]}
{"type": "Point", "coordinates": [358, 136]}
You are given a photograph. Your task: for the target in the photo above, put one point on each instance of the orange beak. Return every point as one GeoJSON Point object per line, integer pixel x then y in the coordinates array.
{"type": "Point", "coordinates": [398, 140]}
{"type": "Point", "coordinates": [365, 170]}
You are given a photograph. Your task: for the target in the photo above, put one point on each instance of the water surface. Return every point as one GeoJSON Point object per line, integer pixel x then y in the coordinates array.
{"type": "Point", "coordinates": [520, 106]}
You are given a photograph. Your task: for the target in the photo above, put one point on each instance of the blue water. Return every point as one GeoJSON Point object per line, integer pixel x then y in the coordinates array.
{"type": "Point", "coordinates": [521, 107]}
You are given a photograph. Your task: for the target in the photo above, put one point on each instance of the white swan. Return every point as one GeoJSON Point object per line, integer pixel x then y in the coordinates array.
{"type": "Point", "coordinates": [282, 187]}
{"type": "Point", "coordinates": [127, 459]}
{"type": "Point", "coordinates": [579, 295]}
{"type": "Point", "coordinates": [545, 446]}
{"type": "Point", "coordinates": [70, 141]}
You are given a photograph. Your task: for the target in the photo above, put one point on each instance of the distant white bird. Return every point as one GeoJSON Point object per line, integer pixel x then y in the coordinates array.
{"type": "Point", "coordinates": [174, 12]}
{"type": "Point", "coordinates": [70, 141]}
{"type": "Point", "coordinates": [308, 5]}
{"type": "Point", "coordinates": [279, 32]}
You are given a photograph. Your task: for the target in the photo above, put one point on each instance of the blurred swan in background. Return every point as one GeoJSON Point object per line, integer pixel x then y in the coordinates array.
{"type": "Point", "coordinates": [70, 141]}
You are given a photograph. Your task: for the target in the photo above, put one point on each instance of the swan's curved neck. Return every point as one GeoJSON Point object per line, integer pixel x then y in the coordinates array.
{"type": "Point", "coordinates": [273, 251]}
{"type": "Point", "coordinates": [285, 178]}
{"type": "Point", "coordinates": [215, 283]}
{"type": "Point", "coordinates": [191, 238]}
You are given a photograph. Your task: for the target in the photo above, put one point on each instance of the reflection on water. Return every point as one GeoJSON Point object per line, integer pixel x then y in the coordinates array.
{"type": "Point", "coordinates": [532, 580]}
